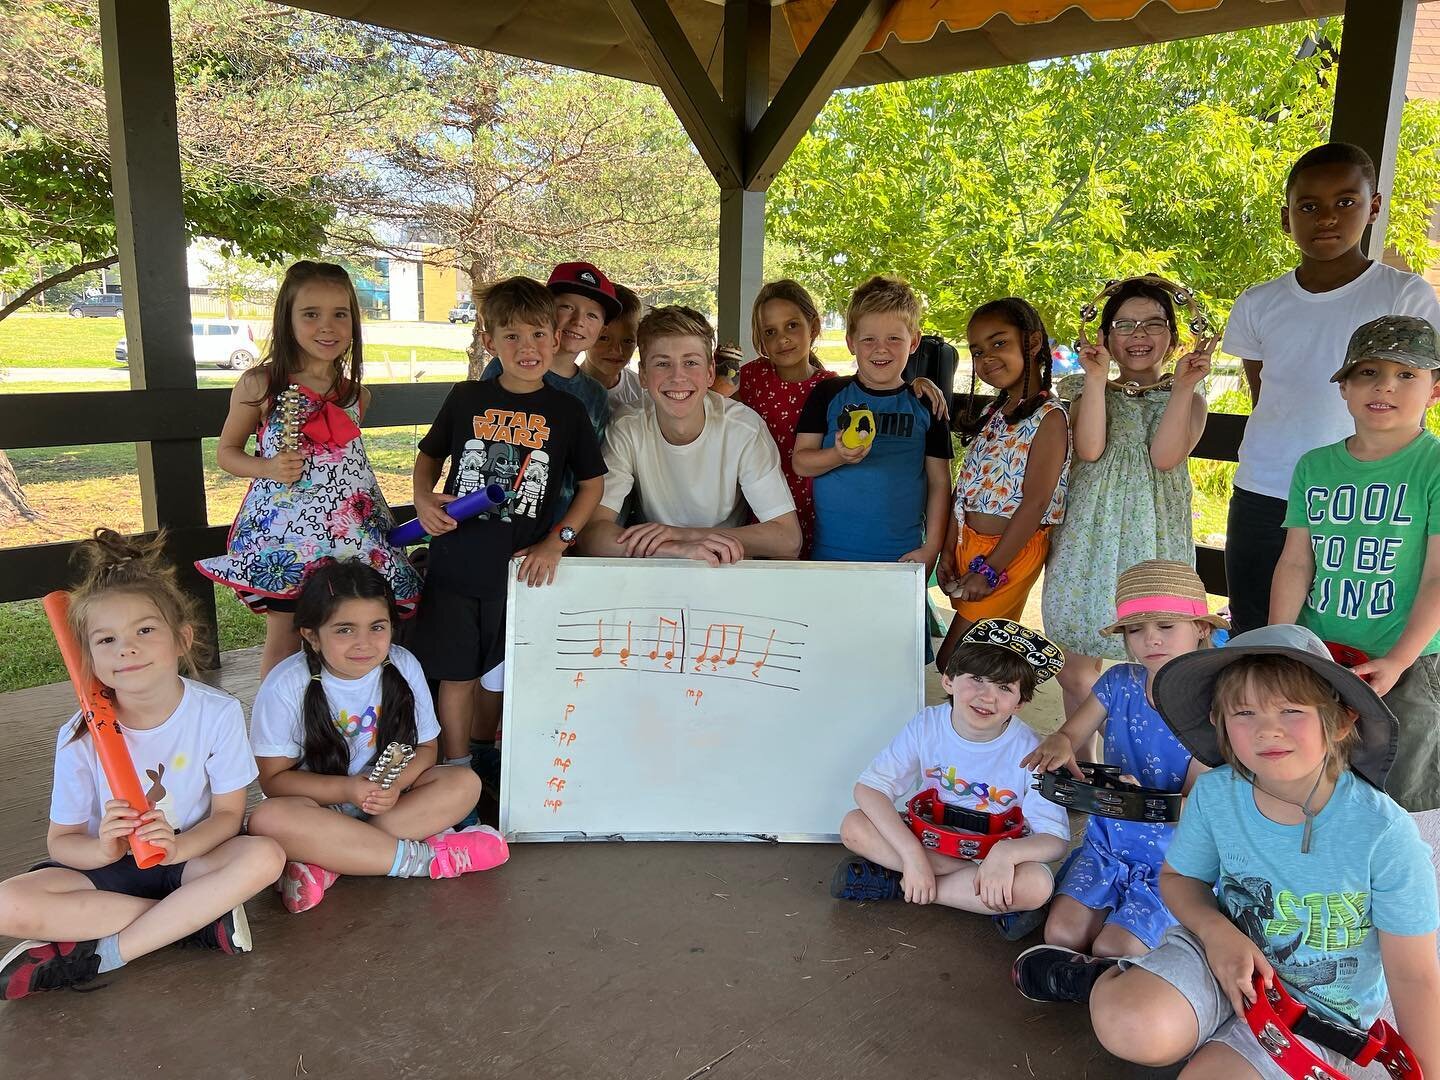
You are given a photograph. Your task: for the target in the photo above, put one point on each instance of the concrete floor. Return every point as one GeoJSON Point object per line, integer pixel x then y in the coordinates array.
{"type": "Point", "coordinates": [615, 961]}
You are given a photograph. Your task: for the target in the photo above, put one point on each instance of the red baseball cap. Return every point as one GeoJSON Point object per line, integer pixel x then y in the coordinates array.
{"type": "Point", "coordinates": [587, 280]}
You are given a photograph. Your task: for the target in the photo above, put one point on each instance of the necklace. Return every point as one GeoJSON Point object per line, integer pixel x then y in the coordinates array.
{"type": "Point", "coordinates": [1304, 808]}
{"type": "Point", "coordinates": [1134, 389]}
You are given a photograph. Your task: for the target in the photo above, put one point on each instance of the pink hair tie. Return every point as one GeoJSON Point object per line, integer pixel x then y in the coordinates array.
{"type": "Point", "coordinates": [1180, 605]}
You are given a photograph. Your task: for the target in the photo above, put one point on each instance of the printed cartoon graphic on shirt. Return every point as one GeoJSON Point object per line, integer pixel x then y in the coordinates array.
{"type": "Point", "coordinates": [470, 475]}
{"type": "Point", "coordinates": [978, 794]}
{"type": "Point", "coordinates": [155, 793]}
{"type": "Point", "coordinates": [508, 449]}
{"type": "Point", "coordinates": [1354, 582]}
{"type": "Point", "coordinates": [359, 725]}
{"type": "Point", "coordinates": [533, 481]}
{"type": "Point", "coordinates": [1302, 935]}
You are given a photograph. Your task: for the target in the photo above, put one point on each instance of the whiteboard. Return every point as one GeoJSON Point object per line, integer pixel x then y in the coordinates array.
{"type": "Point", "coordinates": [650, 699]}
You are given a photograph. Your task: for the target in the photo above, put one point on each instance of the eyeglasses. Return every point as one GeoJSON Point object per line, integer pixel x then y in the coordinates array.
{"type": "Point", "coordinates": [1128, 327]}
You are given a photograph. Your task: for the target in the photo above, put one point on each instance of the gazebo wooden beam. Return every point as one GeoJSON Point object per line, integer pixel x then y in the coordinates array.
{"type": "Point", "coordinates": [658, 37]}
{"type": "Point", "coordinates": [1370, 91]}
{"type": "Point", "coordinates": [816, 75]}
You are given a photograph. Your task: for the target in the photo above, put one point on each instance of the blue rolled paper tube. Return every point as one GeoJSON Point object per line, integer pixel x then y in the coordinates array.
{"type": "Point", "coordinates": [467, 506]}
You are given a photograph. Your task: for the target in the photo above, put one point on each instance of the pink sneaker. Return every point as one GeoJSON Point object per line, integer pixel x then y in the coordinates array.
{"type": "Point", "coordinates": [477, 848]}
{"type": "Point", "coordinates": [302, 885]}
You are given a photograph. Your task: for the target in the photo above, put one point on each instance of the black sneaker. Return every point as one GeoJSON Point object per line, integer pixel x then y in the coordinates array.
{"type": "Point", "coordinates": [860, 879]}
{"type": "Point", "coordinates": [228, 934]}
{"type": "Point", "coordinates": [1016, 925]}
{"type": "Point", "coordinates": [1053, 973]}
{"type": "Point", "coordinates": [33, 966]}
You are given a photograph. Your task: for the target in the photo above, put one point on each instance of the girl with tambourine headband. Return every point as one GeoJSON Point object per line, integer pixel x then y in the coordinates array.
{"type": "Point", "coordinates": [1295, 879]}
{"type": "Point", "coordinates": [1129, 497]}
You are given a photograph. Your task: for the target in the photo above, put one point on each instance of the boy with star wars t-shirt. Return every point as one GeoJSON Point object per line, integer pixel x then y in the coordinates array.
{"type": "Point", "coordinates": [523, 435]}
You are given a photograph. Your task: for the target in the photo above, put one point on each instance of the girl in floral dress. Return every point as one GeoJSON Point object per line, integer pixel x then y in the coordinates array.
{"type": "Point", "coordinates": [1129, 498]}
{"type": "Point", "coordinates": [312, 494]}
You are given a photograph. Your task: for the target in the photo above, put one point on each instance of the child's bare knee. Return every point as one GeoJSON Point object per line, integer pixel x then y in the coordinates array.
{"type": "Point", "coordinates": [853, 828]}
{"type": "Point", "coordinates": [1033, 886]}
{"type": "Point", "coordinates": [260, 856]}
{"type": "Point", "coordinates": [17, 907]}
{"type": "Point", "coordinates": [1067, 928]}
{"type": "Point", "coordinates": [1134, 1025]}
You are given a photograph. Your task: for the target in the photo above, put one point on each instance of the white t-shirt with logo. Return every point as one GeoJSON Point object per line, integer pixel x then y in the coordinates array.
{"type": "Point", "coordinates": [277, 722]}
{"type": "Point", "coordinates": [1300, 337]}
{"type": "Point", "coordinates": [199, 751]}
{"type": "Point", "coordinates": [984, 776]}
{"type": "Point", "coordinates": [705, 484]}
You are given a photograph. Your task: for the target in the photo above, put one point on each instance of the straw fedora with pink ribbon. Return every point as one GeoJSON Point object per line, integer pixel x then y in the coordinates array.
{"type": "Point", "coordinates": [1160, 589]}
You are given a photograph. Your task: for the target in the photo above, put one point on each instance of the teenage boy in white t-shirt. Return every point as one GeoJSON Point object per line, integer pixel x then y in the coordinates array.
{"type": "Point", "coordinates": [1291, 333]}
{"type": "Point", "coordinates": [700, 465]}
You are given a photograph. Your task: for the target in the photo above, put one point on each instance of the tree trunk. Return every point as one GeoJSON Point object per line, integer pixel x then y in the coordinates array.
{"type": "Point", "coordinates": [482, 273]}
{"type": "Point", "coordinates": [13, 507]}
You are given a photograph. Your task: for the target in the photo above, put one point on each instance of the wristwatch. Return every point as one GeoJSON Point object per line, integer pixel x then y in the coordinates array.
{"type": "Point", "coordinates": [568, 536]}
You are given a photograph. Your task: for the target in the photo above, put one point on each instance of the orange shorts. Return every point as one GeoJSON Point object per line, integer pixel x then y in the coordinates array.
{"type": "Point", "coordinates": [1008, 601]}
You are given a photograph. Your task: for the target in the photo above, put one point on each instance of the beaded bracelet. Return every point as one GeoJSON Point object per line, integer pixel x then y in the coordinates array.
{"type": "Point", "coordinates": [994, 578]}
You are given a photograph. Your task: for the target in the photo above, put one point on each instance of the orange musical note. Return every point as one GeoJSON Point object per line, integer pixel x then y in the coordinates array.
{"type": "Point", "coordinates": [739, 637]}
{"type": "Point", "coordinates": [755, 674]}
{"type": "Point", "coordinates": [599, 637]}
{"type": "Point", "coordinates": [719, 654]}
{"type": "Point", "coordinates": [625, 652]}
{"type": "Point", "coordinates": [659, 628]}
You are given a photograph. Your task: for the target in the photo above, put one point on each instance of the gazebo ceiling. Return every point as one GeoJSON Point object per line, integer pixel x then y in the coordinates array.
{"type": "Point", "coordinates": [918, 40]}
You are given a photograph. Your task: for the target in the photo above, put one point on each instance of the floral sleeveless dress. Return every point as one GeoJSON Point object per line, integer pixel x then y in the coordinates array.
{"type": "Point", "coordinates": [1122, 511]}
{"type": "Point", "coordinates": [335, 509]}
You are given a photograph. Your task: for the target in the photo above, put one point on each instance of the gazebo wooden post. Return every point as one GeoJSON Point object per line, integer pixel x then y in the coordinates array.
{"type": "Point", "coordinates": [150, 223]}
{"type": "Point", "coordinates": [1370, 91]}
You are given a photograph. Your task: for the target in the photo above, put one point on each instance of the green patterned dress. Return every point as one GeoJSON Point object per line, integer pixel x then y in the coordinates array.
{"type": "Point", "coordinates": [1121, 511]}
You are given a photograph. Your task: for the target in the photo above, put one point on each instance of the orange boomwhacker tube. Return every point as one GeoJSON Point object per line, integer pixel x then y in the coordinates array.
{"type": "Point", "coordinates": [99, 713]}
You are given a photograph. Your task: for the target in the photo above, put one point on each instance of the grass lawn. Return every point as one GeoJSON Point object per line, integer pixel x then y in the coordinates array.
{"type": "Point", "coordinates": [37, 340]}
{"type": "Point", "coordinates": [31, 658]}
{"type": "Point", "coordinates": [56, 340]}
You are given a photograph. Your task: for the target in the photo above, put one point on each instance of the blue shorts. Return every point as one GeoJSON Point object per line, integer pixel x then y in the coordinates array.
{"type": "Point", "coordinates": [1098, 878]}
{"type": "Point", "coordinates": [124, 877]}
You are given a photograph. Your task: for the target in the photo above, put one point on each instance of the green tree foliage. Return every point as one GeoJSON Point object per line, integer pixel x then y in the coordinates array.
{"type": "Point", "coordinates": [512, 166]}
{"type": "Point", "coordinates": [273, 107]}
{"type": "Point", "coordinates": [1045, 180]}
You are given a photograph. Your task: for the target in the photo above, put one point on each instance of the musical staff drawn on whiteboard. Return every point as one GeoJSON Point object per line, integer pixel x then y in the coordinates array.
{"type": "Point", "coordinates": [749, 647]}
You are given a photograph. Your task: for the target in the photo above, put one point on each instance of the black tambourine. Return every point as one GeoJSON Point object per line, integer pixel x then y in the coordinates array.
{"type": "Point", "coordinates": [1104, 794]}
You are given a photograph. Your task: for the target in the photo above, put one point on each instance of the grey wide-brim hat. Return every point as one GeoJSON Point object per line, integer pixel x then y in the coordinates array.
{"type": "Point", "coordinates": [1185, 687]}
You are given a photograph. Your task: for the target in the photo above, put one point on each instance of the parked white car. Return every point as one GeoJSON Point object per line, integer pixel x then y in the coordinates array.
{"type": "Point", "coordinates": [226, 344]}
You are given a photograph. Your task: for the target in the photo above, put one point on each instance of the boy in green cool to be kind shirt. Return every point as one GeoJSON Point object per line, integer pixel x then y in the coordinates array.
{"type": "Point", "coordinates": [1361, 565]}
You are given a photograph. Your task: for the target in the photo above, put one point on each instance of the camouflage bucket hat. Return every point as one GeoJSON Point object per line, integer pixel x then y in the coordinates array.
{"type": "Point", "coordinates": [1404, 339]}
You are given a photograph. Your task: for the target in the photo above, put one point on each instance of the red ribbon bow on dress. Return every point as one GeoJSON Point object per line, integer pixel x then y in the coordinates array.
{"type": "Point", "coordinates": [330, 427]}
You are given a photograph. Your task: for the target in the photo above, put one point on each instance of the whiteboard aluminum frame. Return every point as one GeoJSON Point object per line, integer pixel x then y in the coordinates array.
{"type": "Point", "coordinates": [560, 835]}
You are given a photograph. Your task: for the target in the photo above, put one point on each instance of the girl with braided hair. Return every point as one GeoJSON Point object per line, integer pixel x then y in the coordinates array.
{"type": "Point", "coordinates": [321, 719]}
{"type": "Point", "coordinates": [1011, 488]}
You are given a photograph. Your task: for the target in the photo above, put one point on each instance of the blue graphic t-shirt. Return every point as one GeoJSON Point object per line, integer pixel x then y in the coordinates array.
{"type": "Point", "coordinates": [1139, 741]}
{"type": "Point", "coordinates": [874, 510]}
{"type": "Point", "coordinates": [1313, 915]}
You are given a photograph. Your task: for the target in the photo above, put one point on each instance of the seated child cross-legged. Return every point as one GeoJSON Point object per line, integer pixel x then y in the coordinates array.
{"type": "Point", "coordinates": [1290, 864]}
{"type": "Point", "coordinates": [1108, 897]}
{"type": "Point", "coordinates": [969, 751]}
{"type": "Point", "coordinates": [90, 905]}
{"type": "Point", "coordinates": [322, 718]}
